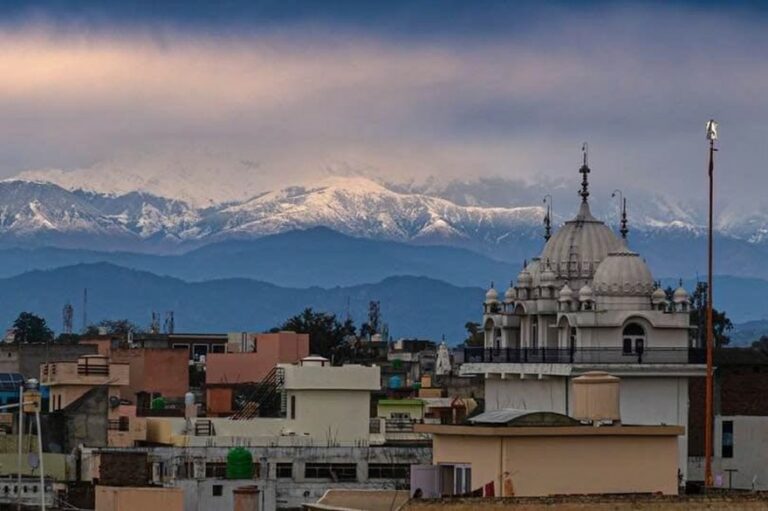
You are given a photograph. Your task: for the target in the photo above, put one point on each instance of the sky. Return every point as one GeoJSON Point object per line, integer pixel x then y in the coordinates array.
{"type": "Point", "coordinates": [291, 90]}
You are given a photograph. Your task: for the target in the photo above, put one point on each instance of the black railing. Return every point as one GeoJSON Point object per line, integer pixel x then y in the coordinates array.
{"type": "Point", "coordinates": [585, 355]}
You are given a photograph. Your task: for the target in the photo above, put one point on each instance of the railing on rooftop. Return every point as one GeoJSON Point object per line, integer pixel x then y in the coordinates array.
{"type": "Point", "coordinates": [584, 355]}
{"type": "Point", "coordinates": [121, 424]}
{"type": "Point", "coordinates": [93, 369]}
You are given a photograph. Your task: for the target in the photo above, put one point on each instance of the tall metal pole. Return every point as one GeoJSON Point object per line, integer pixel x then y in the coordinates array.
{"type": "Point", "coordinates": [40, 454]}
{"type": "Point", "coordinates": [711, 135]}
{"type": "Point", "coordinates": [21, 441]}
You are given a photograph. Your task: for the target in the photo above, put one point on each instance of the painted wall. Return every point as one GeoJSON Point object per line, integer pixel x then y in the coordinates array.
{"type": "Point", "coordinates": [647, 400]}
{"type": "Point", "coordinates": [530, 393]}
{"type": "Point", "coordinates": [540, 466]}
{"type": "Point", "coordinates": [111, 498]}
{"type": "Point", "coordinates": [270, 350]}
{"type": "Point", "coordinates": [165, 371]}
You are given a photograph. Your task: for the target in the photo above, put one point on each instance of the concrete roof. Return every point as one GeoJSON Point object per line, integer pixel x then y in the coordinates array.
{"type": "Point", "coordinates": [361, 500]}
{"type": "Point", "coordinates": [445, 429]}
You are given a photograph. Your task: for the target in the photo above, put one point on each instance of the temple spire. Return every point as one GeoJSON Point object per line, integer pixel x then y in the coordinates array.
{"type": "Point", "coordinates": [548, 218]}
{"type": "Point", "coordinates": [624, 229]}
{"type": "Point", "coordinates": [584, 171]}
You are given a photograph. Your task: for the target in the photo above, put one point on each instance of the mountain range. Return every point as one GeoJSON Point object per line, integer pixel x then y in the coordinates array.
{"type": "Point", "coordinates": [411, 306]}
{"type": "Point", "coordinates": [40, 214]}
{"type": "Point", "coordinates": [323, 242]}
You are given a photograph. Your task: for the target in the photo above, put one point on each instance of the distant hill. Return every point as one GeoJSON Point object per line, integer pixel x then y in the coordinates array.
{"type": "Point", "coordinates": [313, 257]}
{"type": "Point", "coordinates": [411, 306]}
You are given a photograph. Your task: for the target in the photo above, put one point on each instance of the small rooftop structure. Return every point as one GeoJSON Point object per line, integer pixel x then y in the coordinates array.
{"type": "Point", "coordinates": [520, 418]}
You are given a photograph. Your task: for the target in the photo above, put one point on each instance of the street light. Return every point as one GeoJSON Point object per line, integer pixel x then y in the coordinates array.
{"type": "Point", "coordinates": [711, 136]}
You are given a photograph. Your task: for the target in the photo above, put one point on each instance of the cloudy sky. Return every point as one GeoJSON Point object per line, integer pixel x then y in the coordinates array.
{"type": "Point", "coordinates": [402, 90]}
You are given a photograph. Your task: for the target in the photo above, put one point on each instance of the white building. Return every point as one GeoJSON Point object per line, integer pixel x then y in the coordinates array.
{"type": "Point", "coordinates": [588, 302]}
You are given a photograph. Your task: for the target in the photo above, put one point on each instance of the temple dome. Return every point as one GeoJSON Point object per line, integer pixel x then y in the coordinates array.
{"type": "Point", "coordinates": [658, 296]}
{"type": "Point", "coordinates": [491, 296]}
{"type": "Point", "coordinates": [623, 273]}
{"type": "Point", "coordinates": [680, 295]}
{"type": "Point", "coordinates": [577, 248]}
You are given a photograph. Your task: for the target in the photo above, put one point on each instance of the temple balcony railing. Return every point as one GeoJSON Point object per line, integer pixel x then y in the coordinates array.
{"type": "Point", "coordinates": [595, 356]}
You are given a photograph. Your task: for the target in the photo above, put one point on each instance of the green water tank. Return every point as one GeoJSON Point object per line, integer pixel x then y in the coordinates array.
{"type": "Point", "coordinates": [158, 403]}
{"type": "Point", "coordinates": [239, 464]}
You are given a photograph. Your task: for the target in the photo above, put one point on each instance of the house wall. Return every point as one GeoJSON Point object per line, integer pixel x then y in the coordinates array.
{"type": "Point", "coordinates": [530, 393]}
{"type": "Point", "coordinates": [165, 371]}
{"type": "Point", "coordinates": [331, 417]}
{"type": "Point", "coordinates": [750, 436]}
{"type": "Point", "coordinates": [238, 367]}
{"type": "Point", "coordinates": [111, 498]}
{"type": "Point", "coordinates": [270, 350]}
{"type": "Point", "coordinates": [644, 400]}
{"type": "Point", "coordinates": [539, 466]}
{"type": "Point", "coordinates": [218, 400]}
{"type": "Point", "coordinates": [416, 411]}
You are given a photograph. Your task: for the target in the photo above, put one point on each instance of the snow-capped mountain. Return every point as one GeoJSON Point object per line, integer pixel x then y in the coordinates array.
{"type": "Point", "coordinates": [45, 213]}
{"type": "Point", "coordinates": [463, 214]}
{"type": "Point", "coordinates": [362, 207]}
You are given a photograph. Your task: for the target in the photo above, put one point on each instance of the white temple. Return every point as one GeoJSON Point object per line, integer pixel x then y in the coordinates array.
{"type": "Point", "coordinates": [588, 302]}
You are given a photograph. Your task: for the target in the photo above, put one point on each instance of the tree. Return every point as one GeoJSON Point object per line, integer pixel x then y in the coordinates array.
{"type": "Point", "coordinates": [475, 335]}
{"type": "Point", "coordinates": [325, 331]}
{"type": "Point", "coordinates": [118, 327]}
{"type": "Point", "coordinates": [761, 344]}
{"type": "Point", "coordinates": [31, 328]}
{"type": "Point", "coordinates": [720, 321]}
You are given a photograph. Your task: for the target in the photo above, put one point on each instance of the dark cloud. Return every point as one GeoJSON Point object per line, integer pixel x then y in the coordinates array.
{"type": "Point", "coordinates": [404, 91]}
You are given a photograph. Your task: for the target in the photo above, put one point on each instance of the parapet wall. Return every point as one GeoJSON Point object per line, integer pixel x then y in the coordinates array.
{"type": "Point", "coordinates": [727, 502]}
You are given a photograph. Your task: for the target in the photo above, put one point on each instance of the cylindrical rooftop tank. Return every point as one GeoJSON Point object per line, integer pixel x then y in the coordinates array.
{"type": "Point", "coordinates": [395, 382]}
{"type": "Point", "coordinates": [189, 398]}
{"type": "Point", "coordinates": [239, 464]}
{"type": "Point", "coordinates": [596, 397]}
{"type": "Point", "coordinates": [158, 403]}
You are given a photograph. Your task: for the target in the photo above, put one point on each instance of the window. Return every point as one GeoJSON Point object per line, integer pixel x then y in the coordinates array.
{"type": "Point", "coordinates": [388, 471]}
{"type": "Point", "coordinates": [334, 471]}
{"type": "Point", "coordinates": [199, 350]}
{"type": "Point", "coordinates": [284, 471]}
{"type": "Point", "coordinates": [633, 341]}
{"type": "Point", "coordinates": [293, 407]}
{"type": "Point", "coordinates": [462, 481]}
{"type": "Point", "coordinates": [727, 439]}
{"type": "Point", "coordinates": [218, 348]}
{"type": "Point", "coordinates": [400, 415]}
{"type": "Point", "coordinates": [534, 332]}
{"type": "Point", "coordinates": [572, 340]}
{"type": "Point", "coordinates": [216, 470]}
{"type": "Point", "coordinates": [217, 490]}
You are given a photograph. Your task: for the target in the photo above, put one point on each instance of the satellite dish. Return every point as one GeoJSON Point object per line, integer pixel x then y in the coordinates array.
{"type": "Point", "coordinates": [34, 460]}
{"type": "Point", "coordinates": [114, 401]}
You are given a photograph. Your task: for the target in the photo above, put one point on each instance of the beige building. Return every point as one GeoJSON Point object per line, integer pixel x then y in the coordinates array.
{"type": "Point", "coordinates": [524, 453]}
{"type": "Point", "coordinates": [320, 405]}
{"type": "Point", "coordinates": [551, 460]}
{"type": "Point", "coordinates": [68, 381]}
{"type": "Point", "coordinates": [125, 498]}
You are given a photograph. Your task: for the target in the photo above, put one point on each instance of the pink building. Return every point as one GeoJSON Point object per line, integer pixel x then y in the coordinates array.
{"type": "Point", "coordinates": [224, 370]}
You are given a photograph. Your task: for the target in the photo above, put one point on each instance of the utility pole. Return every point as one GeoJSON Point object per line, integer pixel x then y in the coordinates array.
{"type": "Point", "coordinates": [711, 136]}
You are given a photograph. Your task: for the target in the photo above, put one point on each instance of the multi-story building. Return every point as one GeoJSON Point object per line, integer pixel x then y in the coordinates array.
{"type": "Point", "coordinates": [307, 427]}
{"type": "Point", "coordinates": [588, 302]}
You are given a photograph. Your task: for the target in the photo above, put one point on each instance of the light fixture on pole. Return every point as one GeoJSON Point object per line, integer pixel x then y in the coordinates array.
{"type": "Point", "coordinates": [711, 136]}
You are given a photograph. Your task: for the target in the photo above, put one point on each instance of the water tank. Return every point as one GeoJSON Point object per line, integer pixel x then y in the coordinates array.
{"type": "Point", "coordinates": [395, 382]}
{"type": "Point", "coordinates": [189, 399]}
{"type": "Point", "coordinates": [596, 397]}
{"type": "Point", "coordinates": [239, 464]}
{"type": "Point", "coordinates": [158, 403]}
